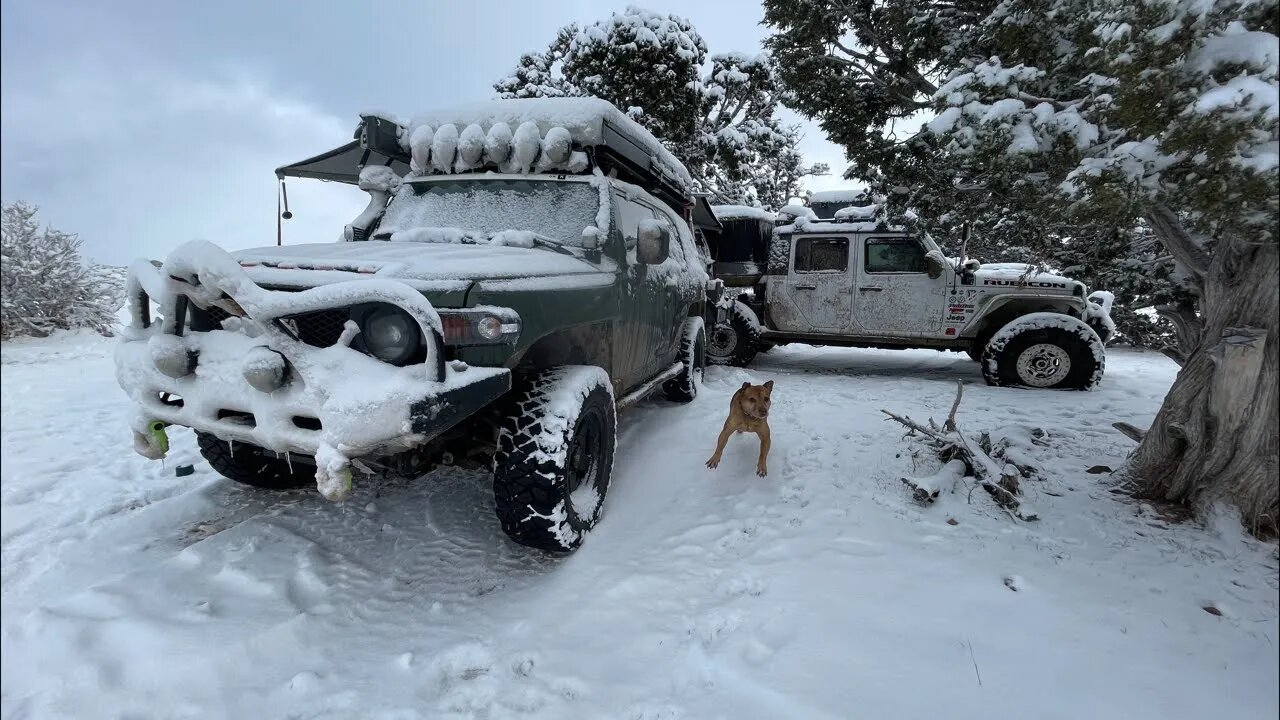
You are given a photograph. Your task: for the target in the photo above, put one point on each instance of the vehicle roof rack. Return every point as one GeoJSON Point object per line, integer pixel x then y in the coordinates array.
{"type": "Point", "coordinates": [601, 137]}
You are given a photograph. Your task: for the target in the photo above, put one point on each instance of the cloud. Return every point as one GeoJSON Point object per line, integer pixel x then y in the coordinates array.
{"type": "Point", "coordinates": [138, 163]}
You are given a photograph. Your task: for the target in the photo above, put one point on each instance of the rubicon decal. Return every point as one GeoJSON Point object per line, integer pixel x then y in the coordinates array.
{"type": "Point", "coordinates": [1019, 283]}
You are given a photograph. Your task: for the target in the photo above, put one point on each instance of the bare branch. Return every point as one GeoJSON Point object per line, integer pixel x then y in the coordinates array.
{"type": "Point", "coordinates": [950, 424]}
{"type": "Point", "coordinates": [1178, 241]}
{"type": "Point", "coordinates": [1129, 431]}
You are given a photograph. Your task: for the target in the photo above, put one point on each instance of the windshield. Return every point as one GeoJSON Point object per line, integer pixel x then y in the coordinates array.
{"type": "Point", "coordinates": [483, 207]}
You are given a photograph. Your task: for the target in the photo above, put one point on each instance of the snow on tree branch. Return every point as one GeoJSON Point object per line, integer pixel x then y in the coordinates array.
{"type": "Point", "coordinates": [46, 286]}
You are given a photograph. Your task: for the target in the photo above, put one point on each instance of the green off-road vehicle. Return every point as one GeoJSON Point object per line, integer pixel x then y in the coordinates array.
{"type": "Point", "coordinates": [524, 269]}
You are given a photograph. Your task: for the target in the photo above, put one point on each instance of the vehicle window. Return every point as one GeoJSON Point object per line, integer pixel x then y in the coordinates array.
{"type": "Point", "coordinates": [434, 211]}
{"type": "Point", "coordinates": [900, 254]}
{"type": "Point", "coordinates": [629, 215]}
{"type": "Point", "coordinates": [822, 254]}
{"type": "Point", "coordinates": [677, 239]}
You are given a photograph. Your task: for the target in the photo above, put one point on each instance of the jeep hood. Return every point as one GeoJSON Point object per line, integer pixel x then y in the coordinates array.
{"type": "Point", "coordinates": [1024, 272]}
{"type": "Point", "coordinates": [416, 263]}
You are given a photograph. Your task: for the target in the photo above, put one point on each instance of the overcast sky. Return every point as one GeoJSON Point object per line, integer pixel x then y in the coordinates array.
{"type": "Point", "coordinates": [141, 125]}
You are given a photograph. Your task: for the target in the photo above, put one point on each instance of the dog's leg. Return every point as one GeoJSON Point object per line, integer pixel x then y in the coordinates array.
{"type": "Point", "coordinates": [762, 467]}
{"type": "Point", "coordinates": [725, 433]}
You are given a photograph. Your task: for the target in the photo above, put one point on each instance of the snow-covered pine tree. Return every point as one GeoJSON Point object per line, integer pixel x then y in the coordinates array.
{"type": "Point", "coordinates": [721, 123]}
{"type": "Point", "coordinates": [1080, 115]}
{"type": "Point", "coordinates": [45, 285]}
{"type": "Point", "coordinates": [867, 72]}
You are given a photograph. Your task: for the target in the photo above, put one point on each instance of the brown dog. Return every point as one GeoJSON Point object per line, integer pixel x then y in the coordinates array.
{"type": "Point", "coordinates": [748, 412]}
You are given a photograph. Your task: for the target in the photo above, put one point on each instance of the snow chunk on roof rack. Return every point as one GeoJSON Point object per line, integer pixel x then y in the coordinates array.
{"type": "Point", "coordinates": [590, 122]}
{"type": "Point", "coordinates": [741, 212]}
{"type": "Point", "coordinates": [835, 196]}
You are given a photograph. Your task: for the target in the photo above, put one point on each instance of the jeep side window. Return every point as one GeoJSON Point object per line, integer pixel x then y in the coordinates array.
{"type": "Point", "coordinates": [822, 255]}
{"type": "Point", "coordinates": [895, 255]}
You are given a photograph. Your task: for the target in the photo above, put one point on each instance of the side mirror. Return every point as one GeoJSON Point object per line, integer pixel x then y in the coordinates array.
{"type": "Point", "coordinates": [591, 238]}
{"type": "Point", "coordinates": [654, 243]}
{"type": "Point", "coordinates": [935, 266]}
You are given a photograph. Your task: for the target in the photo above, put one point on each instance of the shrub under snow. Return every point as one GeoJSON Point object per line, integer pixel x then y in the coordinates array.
{"type": "Point", "coordinates": [44, 283]}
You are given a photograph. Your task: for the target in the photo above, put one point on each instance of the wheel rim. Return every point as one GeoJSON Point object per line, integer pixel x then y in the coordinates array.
{"type": "Point", "coordinates": [724, 340]}
{"type": "Point", "coordinates": [584, 471]}
{"type": "Point", "coordinates": [1043, 365]}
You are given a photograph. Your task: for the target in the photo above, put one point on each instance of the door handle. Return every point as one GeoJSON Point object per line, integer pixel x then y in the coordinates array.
{"type": "Point", "coordinates": [805, 287]}
{"type": "Point", "coordinates": [870, 288]}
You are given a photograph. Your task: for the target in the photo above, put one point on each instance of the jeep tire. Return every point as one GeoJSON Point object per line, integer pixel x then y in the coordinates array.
{"type": "Point", "coordinates": [683, 388]}
{"type": "Point", "coordinates": [554, 458]}
{"type": "Point", "coordinates": [251, 465]}
{"type": "Point", "coordinates": [736, 339]}
{"type": "Point", "coordinates": [1046, 351]}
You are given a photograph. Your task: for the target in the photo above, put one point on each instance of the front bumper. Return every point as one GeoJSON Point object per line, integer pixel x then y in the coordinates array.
{"type": "Point", "coordinates": [334, 403]}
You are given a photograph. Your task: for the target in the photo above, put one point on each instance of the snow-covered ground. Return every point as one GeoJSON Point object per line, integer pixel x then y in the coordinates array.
{"type": "Point", "coordinates": [821, 591]}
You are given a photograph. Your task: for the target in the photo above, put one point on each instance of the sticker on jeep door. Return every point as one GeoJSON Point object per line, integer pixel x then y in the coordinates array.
{"type": "Point", "coordinates": [1020, 283]}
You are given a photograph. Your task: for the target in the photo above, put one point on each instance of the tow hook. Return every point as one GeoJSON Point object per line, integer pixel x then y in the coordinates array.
{"type": "Point", "coordinates": [154, 443]}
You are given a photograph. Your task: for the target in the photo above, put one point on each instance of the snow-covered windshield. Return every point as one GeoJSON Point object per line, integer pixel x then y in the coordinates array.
{"type": "Point", "coordinates": [486, 207]}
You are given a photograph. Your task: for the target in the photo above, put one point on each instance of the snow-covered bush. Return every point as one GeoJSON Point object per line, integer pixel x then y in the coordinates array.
{"type": "Point", "coordinates": [716, 113]}
{"type": "Point", "coordinates": [44, 283]}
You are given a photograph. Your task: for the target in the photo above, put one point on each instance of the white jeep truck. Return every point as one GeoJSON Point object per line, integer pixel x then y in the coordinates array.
{"type": "Point", "coordinates": [845, 283]}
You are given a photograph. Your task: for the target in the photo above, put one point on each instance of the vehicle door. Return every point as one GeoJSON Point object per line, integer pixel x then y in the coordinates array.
{"type": "Point", "coordinates": [817, 292]}
{"type": "Point", "coordinates": [634, 355]}
{"type": "Point", "coordinates": [673, 286]}
{"type": "Point", "coordinates": [895, 295]}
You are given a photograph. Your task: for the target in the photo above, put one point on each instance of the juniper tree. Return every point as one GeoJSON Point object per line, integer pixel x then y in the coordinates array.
{"type": "Point", "coordinates": [1086, 126]}
{"type": "Point", "coordinates": [717, 113]}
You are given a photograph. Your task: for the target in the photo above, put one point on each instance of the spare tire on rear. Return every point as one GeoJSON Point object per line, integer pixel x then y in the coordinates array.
{"type": "Point", "coordinates": [735, 340]}
{"type": "Point", "coordinates": [1047, 351]}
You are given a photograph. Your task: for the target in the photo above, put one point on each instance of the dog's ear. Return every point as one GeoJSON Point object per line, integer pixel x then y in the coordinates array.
{"type": "Point", "coordinates": [769, 385]}
{"type": "Point", "coordinates": [746, 385]}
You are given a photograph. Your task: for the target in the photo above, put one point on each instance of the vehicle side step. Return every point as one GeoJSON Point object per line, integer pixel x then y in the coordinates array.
{"type": "Point", "coordinates": [643, 391]}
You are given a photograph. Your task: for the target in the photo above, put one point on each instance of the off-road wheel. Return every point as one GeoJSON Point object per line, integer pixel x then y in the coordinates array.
{"type": "Point", "coordinates": [555, 455]}
{"type": "Point", "coordinates": [736, 339]}
{"type": "Point", "coordinates": [683, 388]}
{"type": "Point", "coordinates": [250, 465]}
{"type": "Point", "coordinates": [1046, 351]}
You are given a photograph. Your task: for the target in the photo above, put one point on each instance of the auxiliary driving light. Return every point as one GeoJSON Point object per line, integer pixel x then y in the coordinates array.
{"type": "Point", "coordinates": [265, 369]}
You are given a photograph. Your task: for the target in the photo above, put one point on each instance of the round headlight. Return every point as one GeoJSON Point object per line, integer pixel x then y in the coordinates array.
{"type": "Point", "coordinates": [390, 334]}
{"type": "Point", "coordinates": [489, 328]}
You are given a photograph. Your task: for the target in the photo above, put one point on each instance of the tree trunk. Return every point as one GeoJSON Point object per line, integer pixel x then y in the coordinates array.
{"type": "Point", "coordinates": [1216, 437]}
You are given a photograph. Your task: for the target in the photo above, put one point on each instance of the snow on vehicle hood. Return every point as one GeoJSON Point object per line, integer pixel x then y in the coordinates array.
{"type": "Point", "coordinates": [411, 261]}
{"type": "Point", "coordinates": [1020, 273]}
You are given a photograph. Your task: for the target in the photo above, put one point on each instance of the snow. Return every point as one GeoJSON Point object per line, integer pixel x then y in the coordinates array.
{"type": "Point", "coordinates": [857, 212]}
{"type": "Point", "coordinates": [583, 118]}
{"type": "Point", "coordinates": [836, 196]}
{"type": "Point", "coordinates": [822, 591]}
{"type": "Point", "coordinates": [453, 209]}
{"type": "Point", "coordinates": [803, 224]}
{"type": "Point", "coordinates": [798, 211]}
{"type": "Point", "coordinates": [378, 178]}
{"type": "Point", "coordinates": [741, 212]}
{"type": "Point", "coordinates": [429, 266]}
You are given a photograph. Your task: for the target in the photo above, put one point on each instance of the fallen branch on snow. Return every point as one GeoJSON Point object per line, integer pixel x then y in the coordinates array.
{"type": "Point", "coordinates": [966, 457]}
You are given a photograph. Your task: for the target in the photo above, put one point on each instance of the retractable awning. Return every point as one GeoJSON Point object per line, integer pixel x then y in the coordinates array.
{"type": "Point", "coordinates": [341, 164]}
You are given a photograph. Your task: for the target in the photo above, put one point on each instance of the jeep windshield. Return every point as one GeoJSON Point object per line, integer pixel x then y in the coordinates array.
{"type": "Point", "coordinates": [478, 209]}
